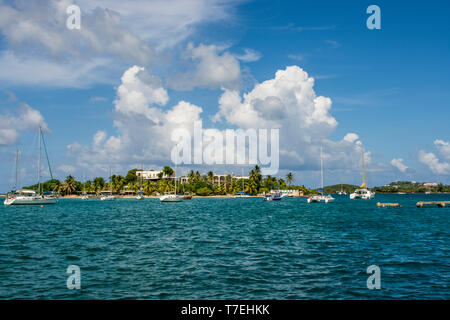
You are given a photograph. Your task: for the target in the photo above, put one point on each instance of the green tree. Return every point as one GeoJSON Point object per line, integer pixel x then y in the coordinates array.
{"type": "Point", "coordinates": [168, 171]}
{"type": "Point", "coordinates": [131, 176]}
{"type": "Point", "coordinates": [69, 185]}
{"type": "Point", "coordinates": [289, 178]}
{"type": "Point", "coordinates": [210, 177]}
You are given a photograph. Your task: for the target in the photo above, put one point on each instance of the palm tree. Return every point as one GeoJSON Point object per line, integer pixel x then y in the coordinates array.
{"type": "Point", "coordinates": [211, 177]}
{"type": "Point", "coordinates": [117, 182]}
{"type": "Point", "coordinates": [69, 185]}
{"type": "Point", "coordinates": [57, 186]}
{"type": "Point", "coordinates": [255, 175]}
{"type": "Point", "coordinates": [133, 186]}
{"type": "Point", "coordinates": [289, 178]}
{"type": "Point", "coordinates": [228, 182]}
{"type": "Point", "coordinates": [149, 187]}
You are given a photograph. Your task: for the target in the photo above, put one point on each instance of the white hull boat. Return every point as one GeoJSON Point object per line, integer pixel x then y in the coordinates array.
{"type": "Point", "coordinates": [31, 199]}
{"type": "Point", "coordinates": [26, 196]}
{"type": "Point", "coordinates": [107, 198]}
{"type": "Point", "coordinates": [320, 197]}
{"type": "Point", "coordinates": [362, 192]}
{"type": "Point", "coordinates": [171, 198]}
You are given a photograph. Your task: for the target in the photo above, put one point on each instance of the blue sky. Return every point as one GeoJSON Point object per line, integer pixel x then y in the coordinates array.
{"type": "Point", "coordinates": [390, 87]}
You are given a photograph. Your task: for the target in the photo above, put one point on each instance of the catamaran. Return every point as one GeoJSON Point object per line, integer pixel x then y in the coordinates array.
{"type": "Point", "coordinates": [342, 192]}
{"type": "Point", "coordinates": [31, 197]}
{"type": "Point", "coordinates": [320, 197]}
{"type": "Point", "coordinates": [109, 197]}
{"type": "Point", "coordinates": [172, 197]}
{"type": "Point", "coordinates": [362, 193]}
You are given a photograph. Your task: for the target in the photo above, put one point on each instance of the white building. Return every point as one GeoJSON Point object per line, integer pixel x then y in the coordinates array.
{"type": "Point", "coordinates": [150, 175]}
{"type": "Point", "coordinates": [219, 179]}
{"type": "Point", "coordinates": [430, 184]}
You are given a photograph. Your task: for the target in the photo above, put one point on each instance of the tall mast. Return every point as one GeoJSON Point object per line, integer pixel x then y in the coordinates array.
{"type": "Point", "coordinates": [321, 168]}
{"type": "Point", "coordinates": [110, 180]}
{"type": "Point", "coordinates": [175, 178]}
{"type": "Point", "coordinates": [17, 165]}
{"type": "Point", "coordinates": [39, 162]}
{"type": "Point", "coordinates": [141, 178]}
{"type": "Point", "coordinates": [363, 166]}
{"type": "Point", "coordinates": [242, 177]}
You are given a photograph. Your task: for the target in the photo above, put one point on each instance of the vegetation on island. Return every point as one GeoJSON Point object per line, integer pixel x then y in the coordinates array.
{"type": "Point", "coordinates": [411, 187]}
{"type": "Point", "coordinates": [203, 185]}
{"type": "Point", "coordinates": [198, 184]}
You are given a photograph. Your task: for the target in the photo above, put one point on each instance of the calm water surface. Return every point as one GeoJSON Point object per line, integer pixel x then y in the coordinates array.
{"type": "Point", "coordinates": [226, 249]}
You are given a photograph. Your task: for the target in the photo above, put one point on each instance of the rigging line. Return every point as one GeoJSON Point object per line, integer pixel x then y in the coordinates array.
{"type": "Point", "coordinates": [46, 154]}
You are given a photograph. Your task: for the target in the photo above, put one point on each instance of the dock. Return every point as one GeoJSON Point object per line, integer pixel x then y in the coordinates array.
{"type": "Point", "coordinates": [388, 205]}
{"type": "Point", "coordinates": [439, 204]}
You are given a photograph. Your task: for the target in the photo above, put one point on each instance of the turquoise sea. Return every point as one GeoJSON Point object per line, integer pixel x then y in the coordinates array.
{"type": "Point", "coordinates": [226, 249]}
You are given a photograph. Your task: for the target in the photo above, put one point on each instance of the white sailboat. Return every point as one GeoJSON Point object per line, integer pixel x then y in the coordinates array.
{"type": "Point", "coordinates": [172, 197]}
{"type": "Point", "coordinates": [30, 197]}
{"type": "Point", "coordinates": [109, 197]}
{"type": "Point", "coordinates": [84, 196]}
{"type": "Point", "coordinates": [320, 197]}
{"type": "Point", "coordinates": [242, 194]}
{"type": "Point", "coordinates": [342, 192]}
{"type": "Point", "coordinates": [362, 193]}
{"type": "Point", "coordinates": [140, 195]}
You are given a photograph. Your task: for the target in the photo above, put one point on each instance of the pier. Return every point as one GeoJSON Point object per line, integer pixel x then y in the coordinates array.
{"type": "Point", "coordinates": [388, 205]}
{"type": "Point", "coordinates": [439, 204]}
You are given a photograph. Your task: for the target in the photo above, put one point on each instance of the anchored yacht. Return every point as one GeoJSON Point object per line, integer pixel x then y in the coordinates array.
{"type": "Point", "coordinates": [362, 193]}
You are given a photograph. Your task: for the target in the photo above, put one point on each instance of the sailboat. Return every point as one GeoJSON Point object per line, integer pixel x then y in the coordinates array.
{"type": "Point", "coordinates": [342, 192]}
{"type": "Point", "coordinates": [242, 194]}
{"type": "Point", "coordinates": [140, 195]}
{"type": "Point", "coordinates": [321, 197]}
{"type": "Point", "coordinates": [362, 193]}
{"type": "Point", "coordinates": [30, 197]}
{"type": "Point", "coordinates": [84, 196]}
{"type": "Point", "coordinates": [172, 197]}
{"type": "Point", "coordinates": [109, 197]}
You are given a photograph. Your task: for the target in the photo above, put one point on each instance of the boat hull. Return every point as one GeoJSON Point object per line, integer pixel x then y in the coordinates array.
{"type": "Point", "coordinates": [171, 198]}
{"type": "Point", "coordinates": [108, 198]}
{"type": "Point", "coordinates": [28, 202]}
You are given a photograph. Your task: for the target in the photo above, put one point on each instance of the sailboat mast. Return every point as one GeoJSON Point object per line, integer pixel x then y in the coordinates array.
{"type": "Point", "coordinates": [321, 168]}
{"type": "Point", "coordinates": [242, 177]}
{"type": "Point", "coordinates": [175, 178]}
{"type": "Point", "coordinates": [110, 181]}
{"type": "Point", "coordinates": [39, 162]}
{"type": "Point", "coordinates": [363, 165]}
{"type": "Point", "coordinates": [17, 165]}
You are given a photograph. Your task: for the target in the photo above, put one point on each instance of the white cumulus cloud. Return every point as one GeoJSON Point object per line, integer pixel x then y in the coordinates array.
{"type": "Point", "coordinates": [433, 162]}
{"type": "Point", "coordinates": [213, 68]}
{"type": "Point", "coordinates": [398, 163]}
{"type": "Point", "coordinates": [22, 118]}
